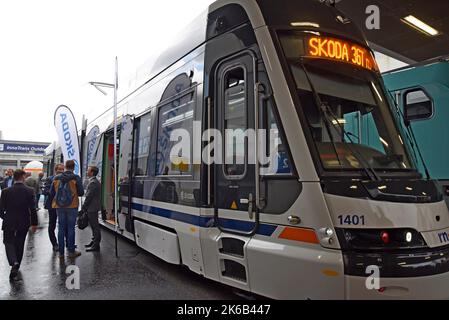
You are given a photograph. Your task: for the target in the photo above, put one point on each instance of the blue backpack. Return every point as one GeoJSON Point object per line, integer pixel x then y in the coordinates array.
{"type": "Point", "coordinates": [64, 196]}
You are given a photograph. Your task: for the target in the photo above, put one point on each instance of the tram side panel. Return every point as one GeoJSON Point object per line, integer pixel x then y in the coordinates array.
{"type": "Point", "coordinates": [165, 188]}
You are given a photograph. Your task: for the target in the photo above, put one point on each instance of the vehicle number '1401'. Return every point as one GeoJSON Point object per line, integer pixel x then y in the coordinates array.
{"type": "Point", "coordinates": [349, 220]}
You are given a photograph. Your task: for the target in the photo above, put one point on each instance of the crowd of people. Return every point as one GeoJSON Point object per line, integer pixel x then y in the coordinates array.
{"type": "Point", "coordinates": [19, 204]}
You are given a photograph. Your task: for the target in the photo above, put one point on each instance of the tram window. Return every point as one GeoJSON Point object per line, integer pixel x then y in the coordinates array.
{"type": "Point", "coordinates": [142, 145]}
{"type": "Point", "coordinates": [235, 110]}
{"type": "Point", "coordinates": [177, 114]}
{"type": "Point", "coordinates": [417, 105]}
{"type": "Point", "coordinates": [282, 165]}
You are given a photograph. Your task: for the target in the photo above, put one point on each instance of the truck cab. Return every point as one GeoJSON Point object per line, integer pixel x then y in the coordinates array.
{"type": "Point", "coordinates": [422, 95]}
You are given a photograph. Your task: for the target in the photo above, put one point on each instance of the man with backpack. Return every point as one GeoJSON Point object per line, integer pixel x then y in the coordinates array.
{"type": "Point", "coordinates": [65, 191]}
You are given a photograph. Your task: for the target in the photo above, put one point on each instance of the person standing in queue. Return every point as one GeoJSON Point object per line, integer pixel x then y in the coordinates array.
{"type": "Point", "coordinates": [18, 211]}
{"type": "Point", "coordinates": [65, 192]}
{"type": "Point", "coordinates": [92, 205]}
{"type": "Point", "coordinates": [8, 181]}
{"type": "Point", "coordinates": [31, 182]}
{"type": "Point", "coordinates": [40, 183]}
{"type": "Point", "coordinates": [52, 215]}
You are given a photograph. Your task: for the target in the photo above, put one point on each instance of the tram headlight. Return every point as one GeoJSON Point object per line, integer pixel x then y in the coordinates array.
{"type": "Point", "coordinates": [376, 239]}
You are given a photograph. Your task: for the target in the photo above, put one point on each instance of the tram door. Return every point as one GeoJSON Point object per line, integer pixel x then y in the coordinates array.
{"type": "Point", "coordinates": [124, 174]}
{"type": "Point", "coordinates": [124, 161]}
{"type": "Point", "coordinates": [235, 178]}
{"type": "Point", "coordinates": [107, 179]}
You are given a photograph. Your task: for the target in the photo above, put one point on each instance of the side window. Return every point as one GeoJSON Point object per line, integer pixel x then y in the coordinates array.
{"type": "Point", "coordinates": [235, 120]}
{"type": "Point", "coordinates": [177, 114]}
{"type": "Point", "coordinates": [142, 145]}
{"type": "Point", "coordinates": [417, 105]}
{"type": "Point", "coordinates": [281, 154]}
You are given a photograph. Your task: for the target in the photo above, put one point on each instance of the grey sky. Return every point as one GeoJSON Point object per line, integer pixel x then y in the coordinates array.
{"type": "Point", "coordinates": [51, 49]}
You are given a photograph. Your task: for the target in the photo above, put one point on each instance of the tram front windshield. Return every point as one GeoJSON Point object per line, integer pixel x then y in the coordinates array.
{"type": "Point", "coordinates": [347, 112]}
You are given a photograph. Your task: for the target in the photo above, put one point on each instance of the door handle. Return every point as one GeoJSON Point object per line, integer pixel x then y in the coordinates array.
{"type": "Point", "coordinates": [250, 203]}
{"type": "Point", "coordinates": [257, 91]}
{"type": "Point", "coordinates": [250, 206]}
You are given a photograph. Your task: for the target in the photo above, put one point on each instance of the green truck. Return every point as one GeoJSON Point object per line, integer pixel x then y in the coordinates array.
{"type": "Point", "coordinates": [420, 100]}
{"type": "Point", "coordinates": [421, 92]}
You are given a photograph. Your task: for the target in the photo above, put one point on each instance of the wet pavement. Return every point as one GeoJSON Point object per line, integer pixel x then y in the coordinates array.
{"type": "Point", "coordinates": [134, 275]}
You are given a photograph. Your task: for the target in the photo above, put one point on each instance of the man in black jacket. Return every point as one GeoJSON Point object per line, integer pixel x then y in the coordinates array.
{"type": "Point", "coordinates": [92, 205]}
{"type": "Point", "coordinates": [18, 211]}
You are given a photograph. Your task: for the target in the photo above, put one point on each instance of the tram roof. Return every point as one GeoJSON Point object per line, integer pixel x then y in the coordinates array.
{"type": "Point", "coordinates": [279, 13]}
{"type": "Point", "coordinates": [260, 13]}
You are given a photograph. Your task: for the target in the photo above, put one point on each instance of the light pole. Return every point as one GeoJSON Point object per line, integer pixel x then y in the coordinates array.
{"type": "Point", "coordinates": [98, 86]}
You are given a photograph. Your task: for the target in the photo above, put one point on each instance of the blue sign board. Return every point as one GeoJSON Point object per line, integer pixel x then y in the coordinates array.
{"type": "Point", "coordinates": [22, 148]}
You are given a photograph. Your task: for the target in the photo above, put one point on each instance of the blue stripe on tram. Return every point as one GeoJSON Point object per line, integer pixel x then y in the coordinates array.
{"type": "Point", "coordinates": [205, 222]}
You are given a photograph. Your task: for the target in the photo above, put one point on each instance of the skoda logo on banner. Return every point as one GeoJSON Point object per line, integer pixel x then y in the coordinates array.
{"type": "Point", "coordinates": [68, 135]}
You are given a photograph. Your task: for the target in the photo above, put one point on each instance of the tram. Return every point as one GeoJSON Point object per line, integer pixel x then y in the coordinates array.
{"type": "Point", "coordinates": [341, 201]}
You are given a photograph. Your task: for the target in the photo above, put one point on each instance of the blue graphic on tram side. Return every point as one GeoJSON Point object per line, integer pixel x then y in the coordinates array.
{"type": "Point", "coordinates": [283, 163]}
{"type": "Point", "coordinates": [163, 154]}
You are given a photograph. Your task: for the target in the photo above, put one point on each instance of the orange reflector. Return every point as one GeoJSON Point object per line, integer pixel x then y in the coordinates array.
{"type": "Point", "coordinates": [234, 205]}
{"type": "Point", "coordinates": [330, 273]}
{"type": "Point", "coordinates": [297, 234]}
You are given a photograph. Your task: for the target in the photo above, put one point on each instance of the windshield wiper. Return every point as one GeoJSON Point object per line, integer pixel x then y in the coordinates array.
{"type": "Point", "coordinates": [367, 167]}
{"type": "Point", "coordinates": [319, 104]}
{"type": "Point", "coordinates": [324, 109]}
{"type": "Point", "coordinates": [410, 136]}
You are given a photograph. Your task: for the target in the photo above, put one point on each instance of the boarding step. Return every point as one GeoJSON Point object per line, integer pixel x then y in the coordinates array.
{"type": "Point", "coordinates": [234, 270]}
{"type": "Point", "coordinates": [232, 260]}
{"type": "Point", "coordinates": [232, 246]}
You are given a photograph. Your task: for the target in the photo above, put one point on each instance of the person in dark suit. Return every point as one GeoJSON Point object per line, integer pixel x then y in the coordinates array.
{"type": "Point", "coordinates": [18, 211]}
{"type": "Point", "coordinates": [91, 205]}
{"type": "Point", "coordinates": [8, 181]}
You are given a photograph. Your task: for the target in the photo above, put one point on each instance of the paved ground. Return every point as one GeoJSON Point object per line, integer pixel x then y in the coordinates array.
{"type": "Point", "coordinates": [134, 275]}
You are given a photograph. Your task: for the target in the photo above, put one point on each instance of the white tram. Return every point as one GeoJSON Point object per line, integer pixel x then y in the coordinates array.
{"type": "Point", "coordinates": [342, 199]}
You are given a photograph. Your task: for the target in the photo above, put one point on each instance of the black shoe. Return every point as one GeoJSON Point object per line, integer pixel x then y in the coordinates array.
{"type": "Point", "coordinates": [14, 272]}
{"type": "Point", "coordinates": [89, 245]}
{"type": "Point", "coordinates": [93, 249]}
